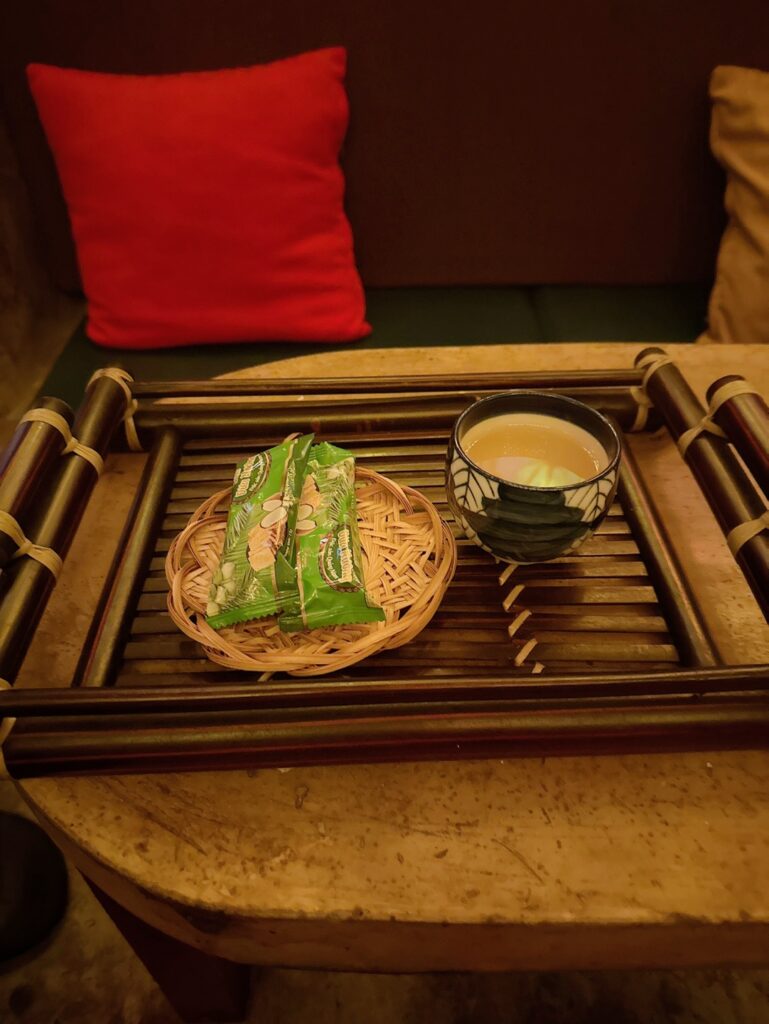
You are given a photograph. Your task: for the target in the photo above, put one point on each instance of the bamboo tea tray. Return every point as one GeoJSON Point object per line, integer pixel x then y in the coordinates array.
{"type": "Point", "coordinates": [604, 649]}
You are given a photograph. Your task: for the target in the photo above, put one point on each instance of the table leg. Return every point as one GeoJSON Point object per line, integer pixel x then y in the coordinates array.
{"type": "Point", "coordinates": [203, 989]}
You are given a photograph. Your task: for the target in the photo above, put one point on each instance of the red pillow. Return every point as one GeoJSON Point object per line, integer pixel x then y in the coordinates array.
{"type": "Point", "coordinates": [208, 206]}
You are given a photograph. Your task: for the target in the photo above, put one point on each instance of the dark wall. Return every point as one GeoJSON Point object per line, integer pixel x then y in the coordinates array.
{"type": "Point", "coordinates": [496, 141]}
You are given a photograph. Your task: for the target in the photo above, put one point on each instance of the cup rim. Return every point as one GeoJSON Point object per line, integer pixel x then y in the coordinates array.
{"type": "Point", "coordinates": [612, 464]}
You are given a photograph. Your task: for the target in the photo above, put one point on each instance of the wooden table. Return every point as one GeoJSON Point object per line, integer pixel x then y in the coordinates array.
{"type": "Point", "coordinates": [487, 865]}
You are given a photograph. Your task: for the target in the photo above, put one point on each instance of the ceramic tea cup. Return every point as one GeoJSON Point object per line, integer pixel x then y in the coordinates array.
{"type": "Point", "coordinates": [519, 522]}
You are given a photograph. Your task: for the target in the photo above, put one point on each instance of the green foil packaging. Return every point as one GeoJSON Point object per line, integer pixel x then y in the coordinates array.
{"type": "Point", "coordinates": [257, 570]}
{"type": "Point", "coordinates": [329, 560]}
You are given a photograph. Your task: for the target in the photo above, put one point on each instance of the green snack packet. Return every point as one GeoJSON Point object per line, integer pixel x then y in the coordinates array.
{"type": "Point", "coordinates": [257, 571]}
{"type": "Point", "coordinates": [329, 562]}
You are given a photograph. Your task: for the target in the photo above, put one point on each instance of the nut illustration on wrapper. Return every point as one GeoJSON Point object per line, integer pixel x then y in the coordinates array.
{"type": "Point", "coordinates": [309, 502]}
{"type": "Point", "coordinates": [223, 586]}
{"type": "Point", "coordinates": [259, 538]}
{"type": "Point", "coordinates": [266, 538]}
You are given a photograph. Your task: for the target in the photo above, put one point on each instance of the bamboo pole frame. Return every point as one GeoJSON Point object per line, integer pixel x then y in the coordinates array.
{"type": "Point", "coordinates": [745, 421]}
{"type": "Point", "coordinates": [730, 492]}
{"type": "Point", "coordinates": [53, 524]}
{"type": "Point", "coordinates": [26, 468]}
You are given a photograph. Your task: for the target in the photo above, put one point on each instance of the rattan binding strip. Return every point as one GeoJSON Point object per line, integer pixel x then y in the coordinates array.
{"type": "Point", "coordinates": [71, 444]}
{"type": "Point", "coordinates": [731, 389]}
{"type": "Point", "coordinates": [24, 546]}
{"type": "Point", "coordinates": [409, 558]}
{"type": "Point", "coordinates": [124, 380]}
{"type": "Point", "coordinates": [744, 532]}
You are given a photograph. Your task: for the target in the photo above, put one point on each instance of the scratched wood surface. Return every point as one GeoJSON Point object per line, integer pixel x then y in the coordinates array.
{"type": "Point", "coordinates": [581, 862]}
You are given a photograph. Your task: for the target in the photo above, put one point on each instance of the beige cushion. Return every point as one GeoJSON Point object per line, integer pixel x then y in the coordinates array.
{"type": "Point", "coordinates": [739, 137]}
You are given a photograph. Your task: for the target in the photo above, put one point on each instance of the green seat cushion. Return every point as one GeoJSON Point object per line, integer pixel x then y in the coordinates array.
{"type": "Point", "coordinates": [408, 317]}
{"type": "Point", "coordinates": [621, 313]}
{"type": "Point", "coordinates": [450, 316]}
{"type": "Point", "coordinates": [80, 357]}
{"type": "Point", "coordinates": [400, 317]}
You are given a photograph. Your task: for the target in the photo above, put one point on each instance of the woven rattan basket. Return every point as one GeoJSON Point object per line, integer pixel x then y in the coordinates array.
{"type": "Point", "coordinates": [409, 557]}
